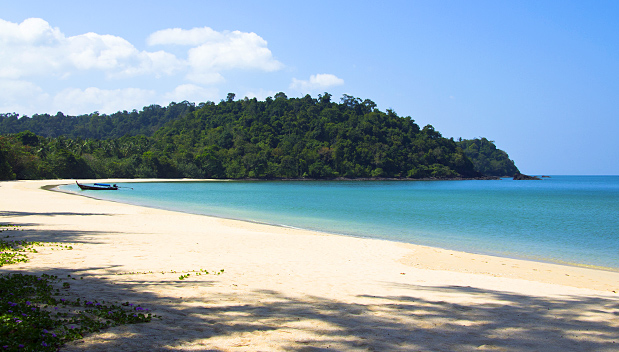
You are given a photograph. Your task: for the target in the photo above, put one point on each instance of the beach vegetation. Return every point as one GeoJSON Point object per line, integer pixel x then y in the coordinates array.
{"type": "Point", "coordinates": [15, 251]}
{"type": "Point", "coordinates": [35, 316]}
{"type": "Point", "coordinates": [37, 312]}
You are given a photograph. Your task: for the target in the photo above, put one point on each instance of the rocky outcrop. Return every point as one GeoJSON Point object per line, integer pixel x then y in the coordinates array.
{"type": "Point", "coordinates": [525, 177]}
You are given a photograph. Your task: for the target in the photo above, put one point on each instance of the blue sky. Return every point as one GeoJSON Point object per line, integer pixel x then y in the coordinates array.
{"type": "Point", "coordinates": [540, 78]}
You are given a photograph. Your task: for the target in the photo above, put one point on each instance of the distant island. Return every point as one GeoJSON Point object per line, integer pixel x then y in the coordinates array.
{"type": "Point", "coordinates": [278, 138]}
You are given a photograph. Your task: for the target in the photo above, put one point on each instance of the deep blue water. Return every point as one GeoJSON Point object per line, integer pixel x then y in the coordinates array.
{"type": "Point", "coordinates": [569, 219]}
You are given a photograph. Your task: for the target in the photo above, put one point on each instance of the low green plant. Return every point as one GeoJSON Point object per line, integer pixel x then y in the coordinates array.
{"type": "Point", "coordinates": [9, 227]}
{"type": "Point", "coordinates": [34, 318]}
{"type": "Point", "coordinates": [12, 252]}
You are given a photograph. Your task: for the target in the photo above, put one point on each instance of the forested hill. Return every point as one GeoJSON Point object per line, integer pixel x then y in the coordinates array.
{"type": "Point", "coordinates": [487, 159]}
{"type": "Point", "coordinates": [280, 137]}
{"type": "Point", "coordinates": [95, 125]}
{"type": "Point", "coordinates": [306, 137]}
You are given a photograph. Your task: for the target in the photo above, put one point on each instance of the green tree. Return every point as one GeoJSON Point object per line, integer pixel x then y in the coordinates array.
{"type": "Point", "coordinates": [6, 171]}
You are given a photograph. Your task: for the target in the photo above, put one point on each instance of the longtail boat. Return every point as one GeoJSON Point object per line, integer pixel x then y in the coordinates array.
{"type": "Point", "coordinates": [97, 187]}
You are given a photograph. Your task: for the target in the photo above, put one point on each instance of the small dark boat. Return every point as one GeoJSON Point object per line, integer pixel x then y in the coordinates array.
{"type": "Point", "coordinates": [97, 187]}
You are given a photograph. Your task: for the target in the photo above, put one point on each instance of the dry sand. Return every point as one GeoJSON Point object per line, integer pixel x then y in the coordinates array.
{"type": "Point", "coordinates": [293, 290]}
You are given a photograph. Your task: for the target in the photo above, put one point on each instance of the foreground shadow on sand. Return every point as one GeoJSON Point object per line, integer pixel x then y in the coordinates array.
{"type": "Point", "coordinates": [54, 236]}
{"type": "Point", "coordinates": [222, 316]}
{"type": "Point", "coordinates": [28, 230]}
{"type": "Point", "coordinates": [513, 322]}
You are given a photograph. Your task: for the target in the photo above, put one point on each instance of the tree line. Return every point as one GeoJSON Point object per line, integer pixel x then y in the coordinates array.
{"type": "Point", "coordinates": [95, 125]}
{"type": "Point", "coordinates": [278, 138]}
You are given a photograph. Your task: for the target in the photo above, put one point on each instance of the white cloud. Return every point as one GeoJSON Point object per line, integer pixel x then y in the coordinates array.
{"type": "Point", "coordinates": [33, 52]}
{"type": "Point", "coordinates": [26, 48]}
{"type": "Point", "coordinates": [32, 31]}
{"type": "Point", "coordinates": [192, 93]}
{"type": "Point", "coordinates": [191, 37]}
{"type": "Point", "coordinates": [212, 52]}
{"type": "Point", "coordinates": [27, 98]}
{"type": "Point", "coordinates": [238, 50]}
{"type": "Point", "coordinates": [22, 97]}
{"type": "Point", "coordinates": [34, 48]}
{"type": "Point", "coordinates": [318, 81]}
{"type": "Point", "coordinates": [94, 51]}
{"type": "Point", "coordinates": [157, 64]}
{"type": "Point", "coordinates": [75, 101]}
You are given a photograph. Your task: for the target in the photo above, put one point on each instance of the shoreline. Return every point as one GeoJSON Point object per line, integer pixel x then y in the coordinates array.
{"type": "Point", "coordinates": [439, 259]}
{"type": "Point", "coordinates": [525, 258]}
{"type": "Point", "coordinates": [291, 289]}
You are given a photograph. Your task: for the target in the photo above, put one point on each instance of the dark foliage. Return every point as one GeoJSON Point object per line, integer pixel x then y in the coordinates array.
{"type": "Point", "coordinates": [487, 159]}
{"type": "Point", "coordinates": [276, 138]}
{"type": "Point", "coordinates": [95, 125]}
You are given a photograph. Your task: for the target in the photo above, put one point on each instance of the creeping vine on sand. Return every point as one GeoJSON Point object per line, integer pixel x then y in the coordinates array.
{"type": "Point", "coordinates": [36, 316]}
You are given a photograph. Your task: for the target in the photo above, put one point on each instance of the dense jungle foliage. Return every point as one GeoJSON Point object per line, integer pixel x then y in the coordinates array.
{"type": "Point", "coordinates": [95, 125]}
{"type": "Point", "coordinates": [487, 159]}
{"type": "Point", "coordinates": [275, 138]}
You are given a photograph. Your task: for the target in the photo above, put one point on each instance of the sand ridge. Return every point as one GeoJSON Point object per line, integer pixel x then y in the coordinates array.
{"type": "Point", "coordinates": [287, 289]}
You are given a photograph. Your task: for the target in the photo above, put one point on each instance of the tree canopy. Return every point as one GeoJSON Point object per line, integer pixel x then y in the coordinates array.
{"type": "Point", "coordinates": [279, 137]}
{"type": "Point", "coordinates": [95, 125]}
{"type": "Point", "coordinates": [487, 159]}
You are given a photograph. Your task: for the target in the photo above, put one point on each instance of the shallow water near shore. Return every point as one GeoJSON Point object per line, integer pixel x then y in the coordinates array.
{"type": "Point", "coordinates": [565, 219]}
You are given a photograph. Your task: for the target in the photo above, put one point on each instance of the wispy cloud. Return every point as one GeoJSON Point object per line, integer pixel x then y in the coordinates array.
{"type": "Point", "coordinates": [79, 101]}
{"type": "Point", "coordinates": [193, 93]}
{"type": "Point", "coordinates": [20, 96]}
{"type": "Point", "coordinates": [318, 81]}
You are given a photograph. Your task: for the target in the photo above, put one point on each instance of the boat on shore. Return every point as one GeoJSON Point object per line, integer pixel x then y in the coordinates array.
{"type": "Point", "coordinates": [97, 187]}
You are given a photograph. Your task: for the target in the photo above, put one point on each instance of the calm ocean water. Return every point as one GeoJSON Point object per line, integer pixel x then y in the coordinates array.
{"type": "Point", "coordinates": [566, 219]}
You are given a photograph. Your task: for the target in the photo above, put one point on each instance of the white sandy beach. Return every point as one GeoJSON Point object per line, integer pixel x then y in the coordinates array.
{"type": "Point", "coordinates": [293, 290]}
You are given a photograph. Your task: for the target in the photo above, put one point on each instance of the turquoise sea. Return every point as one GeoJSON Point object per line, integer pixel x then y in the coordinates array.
{"type": "Point", "coordinates": [564, 219]}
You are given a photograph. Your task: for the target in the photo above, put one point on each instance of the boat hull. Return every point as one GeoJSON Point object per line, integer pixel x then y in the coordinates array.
{"type": "Point", "coordinates": [96, 188]}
